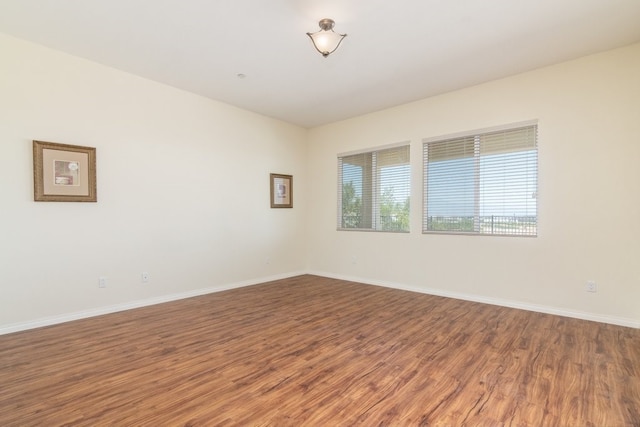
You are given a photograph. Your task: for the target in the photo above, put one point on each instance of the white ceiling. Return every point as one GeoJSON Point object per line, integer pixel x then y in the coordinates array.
{"type": "Point", "coordinates": [396, 51]}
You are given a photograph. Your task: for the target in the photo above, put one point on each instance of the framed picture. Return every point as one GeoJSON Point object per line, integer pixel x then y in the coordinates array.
{"type": "Point", "coordinates": [63, 173]}
{"type": "Point", "coordinates": [281, 191]}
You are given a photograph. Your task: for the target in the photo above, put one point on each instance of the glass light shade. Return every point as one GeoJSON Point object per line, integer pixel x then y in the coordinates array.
{"type": "Point", "coordinates": [326, 41]}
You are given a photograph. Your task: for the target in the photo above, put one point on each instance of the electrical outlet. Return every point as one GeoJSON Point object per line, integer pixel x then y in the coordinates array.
{"type": "Point", "coordinates": [145, 277]}
{"type": "Point", "coordinates": [102, 282]}
{"type": "Point", "coordinates": [591, 286]}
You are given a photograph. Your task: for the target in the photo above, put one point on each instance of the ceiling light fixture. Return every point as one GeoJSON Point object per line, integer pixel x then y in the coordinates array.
{"type": "Point", "coordinates": [326, 41]}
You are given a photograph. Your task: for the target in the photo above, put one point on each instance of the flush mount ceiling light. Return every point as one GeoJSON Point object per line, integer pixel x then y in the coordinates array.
{"type": "Point", "coordinates": [326, 41]}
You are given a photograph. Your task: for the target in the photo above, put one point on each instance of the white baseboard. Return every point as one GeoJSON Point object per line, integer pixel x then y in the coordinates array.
{"type": "Point", "coordinates": [614, 320]}
{"type": "Point", "coordinates": [99, 311]}
{"type": "Point", "coordinates": [53, 320]}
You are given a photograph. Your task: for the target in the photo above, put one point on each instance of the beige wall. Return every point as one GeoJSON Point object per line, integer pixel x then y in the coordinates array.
{"type": "Point", "coordinates": [183, 191]}
{"type": "Point", "coordinates": [588, 113]}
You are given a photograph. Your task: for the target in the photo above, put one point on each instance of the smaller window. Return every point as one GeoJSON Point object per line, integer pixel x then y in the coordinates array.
{"type": "Point", "coordinates": [374, 190]}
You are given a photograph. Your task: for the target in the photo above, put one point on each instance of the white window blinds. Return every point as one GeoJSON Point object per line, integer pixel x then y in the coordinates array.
{"type": "Point", "coordinates": [482, 184]}
{"type": "Point", "coordinates": [374, 190]}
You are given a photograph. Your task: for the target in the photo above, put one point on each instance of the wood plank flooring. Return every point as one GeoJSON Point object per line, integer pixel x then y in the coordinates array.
{"type": "Point", "coordinates": [312, 351]}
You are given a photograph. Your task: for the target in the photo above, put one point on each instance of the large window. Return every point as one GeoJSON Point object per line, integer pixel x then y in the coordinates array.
{"type": "Point", "coordinates": [482, 183]}
{"type": "Point", "coordinates": [374, 190]}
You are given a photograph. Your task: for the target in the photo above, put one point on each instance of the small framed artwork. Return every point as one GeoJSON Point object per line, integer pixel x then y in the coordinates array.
{"type": "Point", "coordinates": [281, 191]}
{"type": "Point", "coordinates": [63, 173]}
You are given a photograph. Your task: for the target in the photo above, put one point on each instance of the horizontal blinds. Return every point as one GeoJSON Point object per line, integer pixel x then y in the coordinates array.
{"type": "Point", "coordinates": [355, 182]}
{"type": "Point", "coordinates": [393, 174]}
{"type": "Point", "coordinates": [508, 141]}
{"type": "Point", "coordinates": [485, 183]}
{"type": "Point", "coordinates": [451, 177]}
{"type": "Point", "coordinates": [392, 157]}
{"type": "Point", "coordinates": [451, 149]}
{"type": "Point", "coordinates": [374, 190]}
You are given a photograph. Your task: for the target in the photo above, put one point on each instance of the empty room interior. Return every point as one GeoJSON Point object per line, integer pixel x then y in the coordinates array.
{"type": "Point", "coordinates": [211, 218]}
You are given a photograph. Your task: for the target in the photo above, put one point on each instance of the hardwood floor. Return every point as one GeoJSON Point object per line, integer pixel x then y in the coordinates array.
{"type": "Point", "coordinates": [312, 351]}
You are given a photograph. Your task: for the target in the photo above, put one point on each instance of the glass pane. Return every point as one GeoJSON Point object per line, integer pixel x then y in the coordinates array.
{"type": "Point", "coordinates": [356, 191]}
{"type": "Point", "coordinates": [394, 197]}
{"type": "Point", "coordinates": [508, 192]}
{"type": "Point", "coordinates": [451, 195]}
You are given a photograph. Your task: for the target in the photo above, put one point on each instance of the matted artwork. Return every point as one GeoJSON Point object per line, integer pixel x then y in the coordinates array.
{"type": "Point", "coordinates": [63, 173]}
{"type": "Point", "coordinates": [281, 191]}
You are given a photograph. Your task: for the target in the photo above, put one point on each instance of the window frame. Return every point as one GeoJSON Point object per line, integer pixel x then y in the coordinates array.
{"type": "Point", "coordinates": [476, 136]}
{"type": "Point", "coordinates": [372, 196]}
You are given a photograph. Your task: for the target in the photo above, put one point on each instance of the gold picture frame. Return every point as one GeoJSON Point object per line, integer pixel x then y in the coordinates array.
{"type": "Point", "coordinates": [281, 190]}
{"type": "Point", "coordinates": [64, 173]}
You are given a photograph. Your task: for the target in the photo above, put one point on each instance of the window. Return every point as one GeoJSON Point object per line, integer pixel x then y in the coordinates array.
{"type": "Point", "coordinates": [374, 190]}
{"type": "Point", "coordinates": [482, 183]}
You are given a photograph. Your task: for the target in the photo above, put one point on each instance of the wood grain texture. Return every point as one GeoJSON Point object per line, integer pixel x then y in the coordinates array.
{"type": "Point", "coordinates": [312, 351]}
